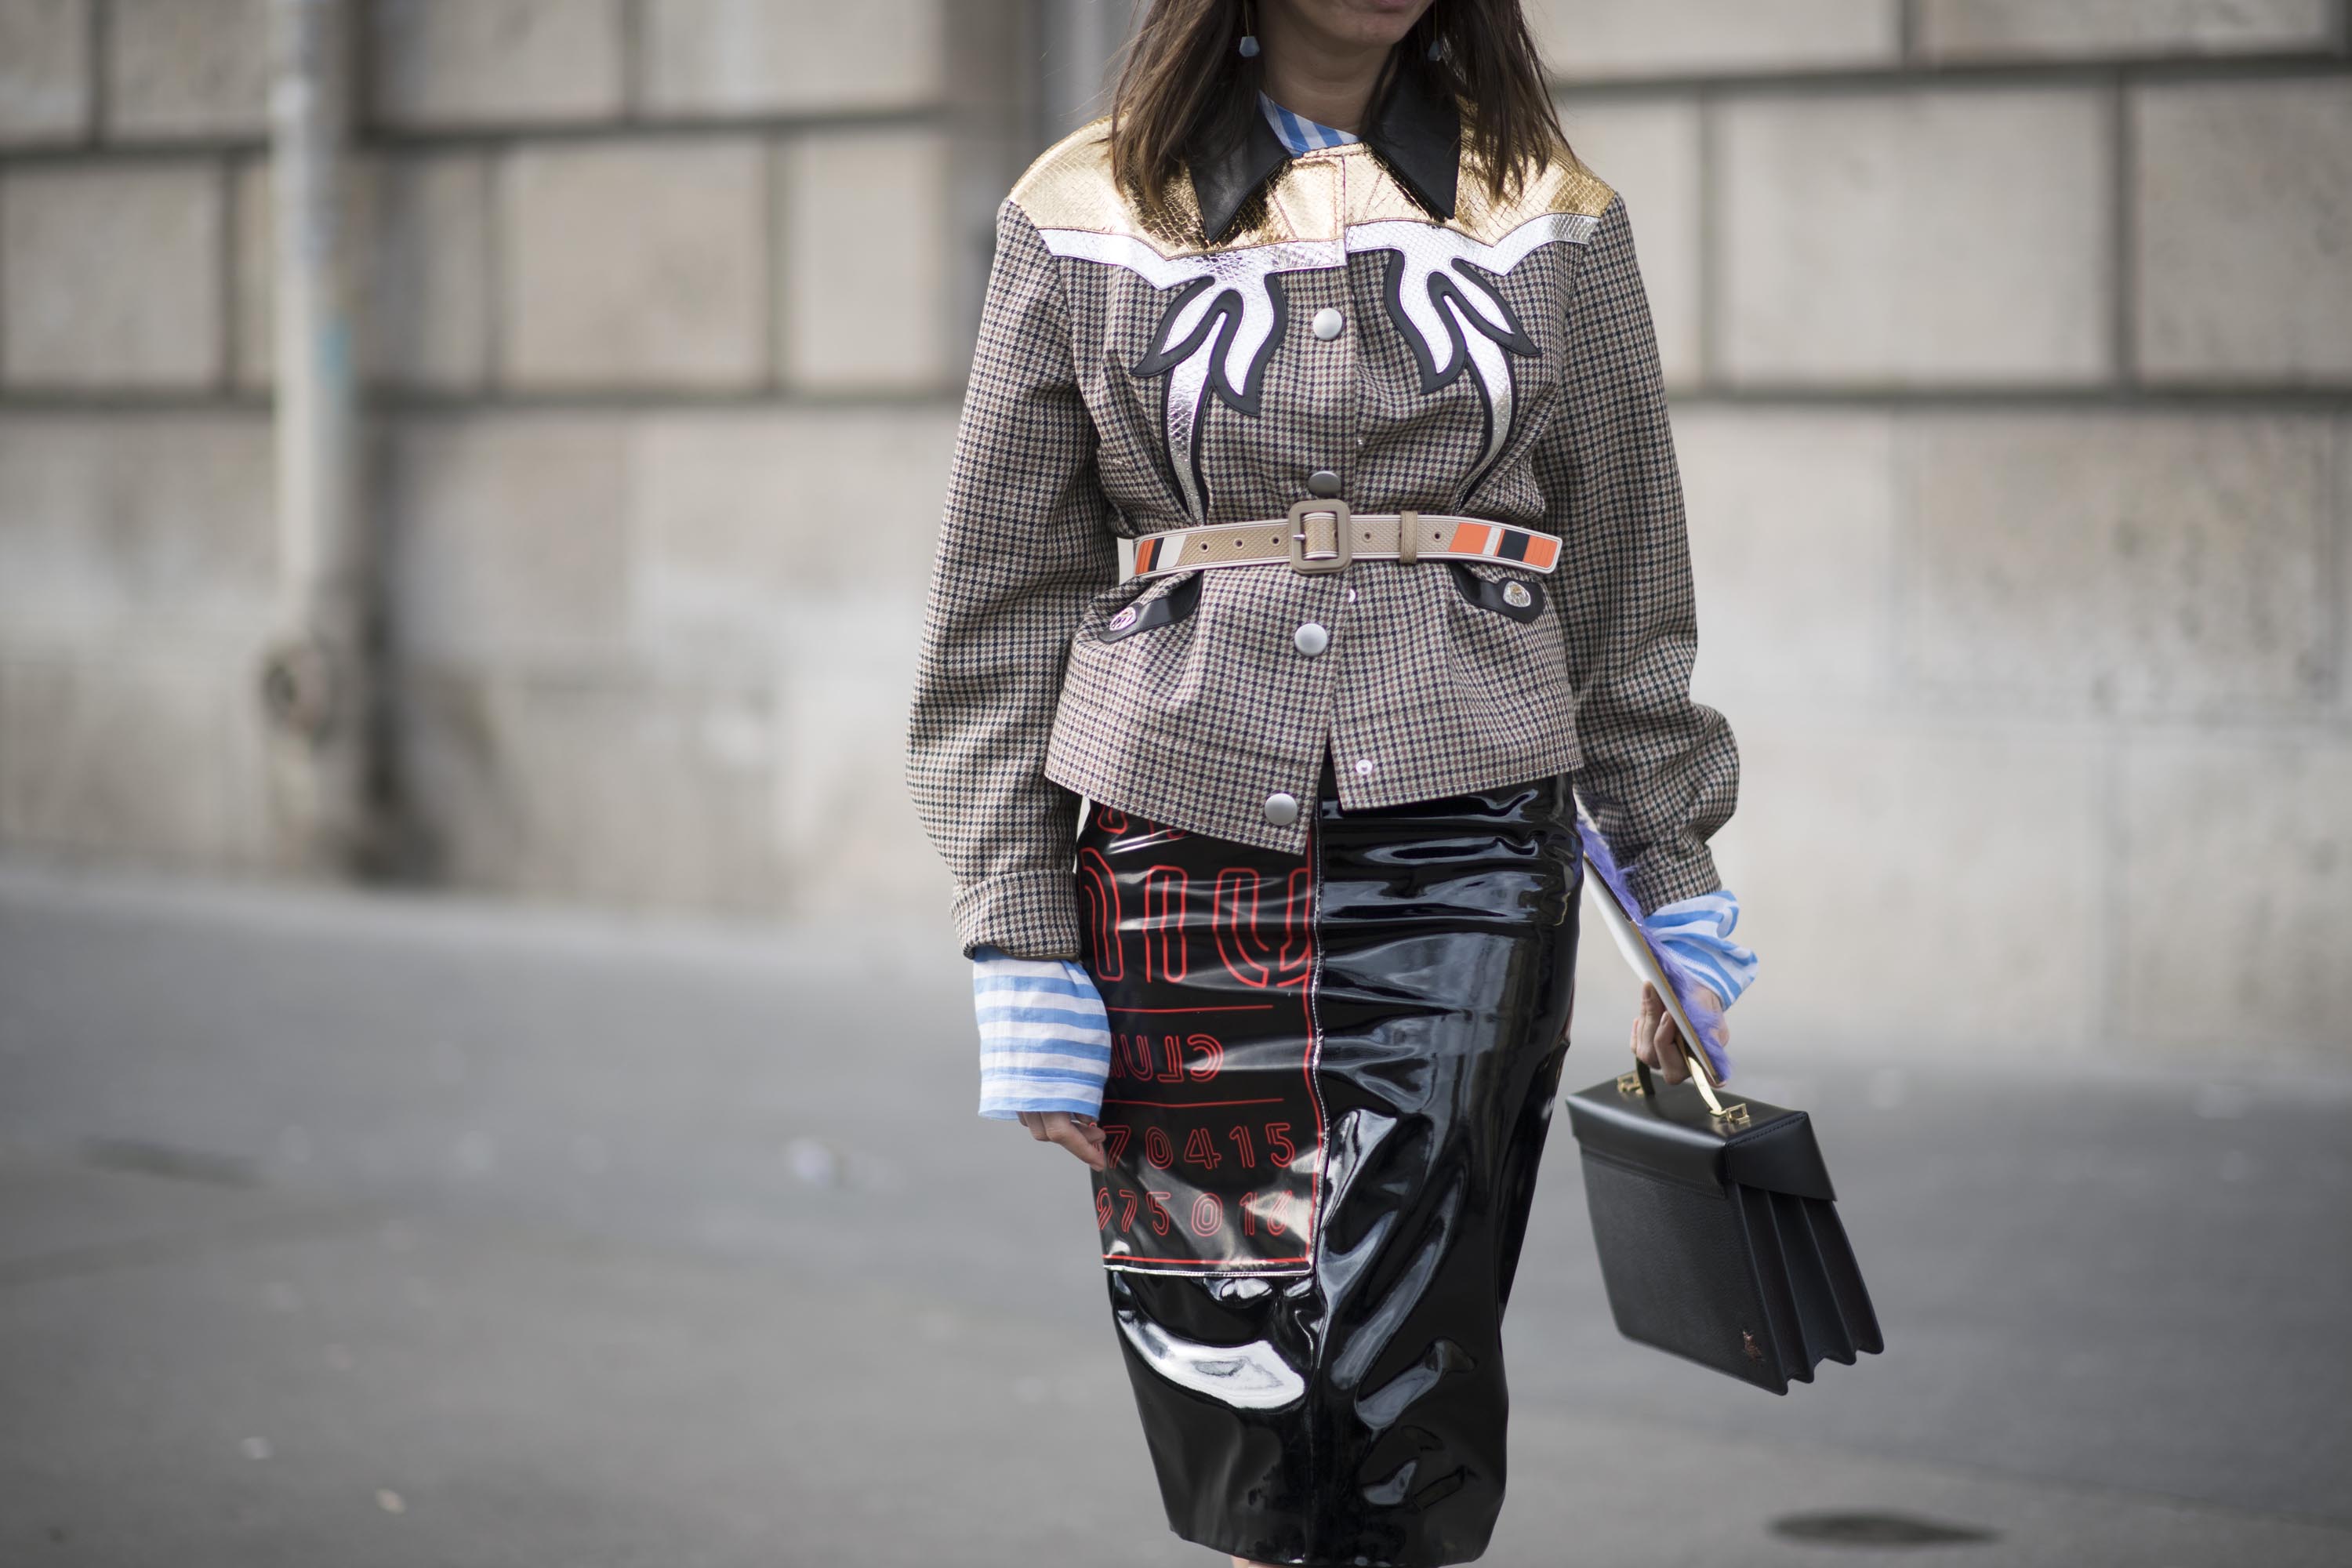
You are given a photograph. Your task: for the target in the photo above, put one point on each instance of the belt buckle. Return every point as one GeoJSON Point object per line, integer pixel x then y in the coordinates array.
{"type": "Point", "coordinates": [1341, 520]}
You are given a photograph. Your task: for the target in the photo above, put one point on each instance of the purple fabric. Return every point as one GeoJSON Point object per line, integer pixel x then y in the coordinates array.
{"type": "Point", "coordinates": [1698, 1001]}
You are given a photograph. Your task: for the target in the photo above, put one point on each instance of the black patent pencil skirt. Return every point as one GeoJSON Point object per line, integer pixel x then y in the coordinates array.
{"type": "Point", "coordinates": [1332, 1082]}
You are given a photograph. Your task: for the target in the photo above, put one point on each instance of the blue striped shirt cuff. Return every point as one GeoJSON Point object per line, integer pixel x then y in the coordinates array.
{"type": "Point", "coordinates": [1045, 1036]}
{"type": "Point", "coordinates": [1698, 932]}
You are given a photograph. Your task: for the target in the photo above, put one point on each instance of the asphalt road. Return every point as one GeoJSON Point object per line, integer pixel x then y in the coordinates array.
{"type": "Point", "coordinates": [354, 1230]}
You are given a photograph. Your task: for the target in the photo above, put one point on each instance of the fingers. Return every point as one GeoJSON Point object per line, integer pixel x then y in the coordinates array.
{"type": "Point", "coordinates": [1646, 1026]}
{"type": "Point", "coordinates": [1667, 1042]}
{"type": "Point", "coordinates": [1655, 1040]}
{"type": "Point", "coordinates": [1081, 1136]}
{"type": "Point", "coordinates": [1083, 1139]}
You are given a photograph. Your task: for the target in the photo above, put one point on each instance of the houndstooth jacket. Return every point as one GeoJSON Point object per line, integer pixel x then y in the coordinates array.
{"type": "Point", "coordinates": [1492, 359]}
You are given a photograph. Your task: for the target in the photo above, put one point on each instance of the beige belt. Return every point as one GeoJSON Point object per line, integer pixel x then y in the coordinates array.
{"type": "Point", "coordinates": [1324, 536]}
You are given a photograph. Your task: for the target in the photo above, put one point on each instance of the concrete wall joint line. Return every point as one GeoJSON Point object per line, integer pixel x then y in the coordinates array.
{"type": "Point", "coordinates": [180, 149]}
{"type": "Point", "coordinates": [500, 138]}
{"type": "Point", "coordinates": [495, 244]}
{"type": "Point", "coordinates": [2092, 72]}
{"type": "Point", "coordinates": [632, 61]}
{"type": "Point", "coordinates": [775, 171]}
{"type": "Point", "coordinates": [664, 401]}
{"type": "Point", "coordinates": [2218, 396]}
{"type": "Point", "coordinates": [101, 106]}
{"type": "Point", "coordinates": [2335, 546]}
{"type": "Point", "coordinates": [2123, 248]}
{"type": "Point", "coordinates": [225, 350]}
{"type": "Point", "coordinates": [1711, 280]}
{"type": "Point", "coordinates": [37, 401]}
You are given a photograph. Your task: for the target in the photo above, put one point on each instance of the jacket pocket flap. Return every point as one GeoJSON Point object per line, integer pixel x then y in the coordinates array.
{"type": "Point", "coordinates": [1154, 610]}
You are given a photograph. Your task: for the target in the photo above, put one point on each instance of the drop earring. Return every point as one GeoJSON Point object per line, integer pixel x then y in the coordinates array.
{"type": "Point", "coordinates": [1249, 38]}
{"type": "Point", "coordinates": [1437, 48]}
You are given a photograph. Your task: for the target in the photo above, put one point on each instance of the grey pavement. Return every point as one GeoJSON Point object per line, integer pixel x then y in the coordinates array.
{"type": "Point", "coordinates": [344, 1229]}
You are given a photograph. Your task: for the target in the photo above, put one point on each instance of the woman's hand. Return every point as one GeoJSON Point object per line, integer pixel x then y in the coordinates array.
{"type": "Point", "coordinates": [1081, 1135]}
{"type": "Point", "coordinates": [1654, 1034]}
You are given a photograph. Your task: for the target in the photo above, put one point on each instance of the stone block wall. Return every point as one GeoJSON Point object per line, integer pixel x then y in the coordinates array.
{"type": "Point", "coordinates": [664, 306]}
{"type": "Point", "coordinates": [2010, 343]}
{"type": "Point", "coordinates": [2009, 346]}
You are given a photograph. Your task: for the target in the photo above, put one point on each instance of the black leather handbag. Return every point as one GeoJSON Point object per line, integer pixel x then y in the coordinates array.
{"type": "Point", "coordinates": [1717, 1230]}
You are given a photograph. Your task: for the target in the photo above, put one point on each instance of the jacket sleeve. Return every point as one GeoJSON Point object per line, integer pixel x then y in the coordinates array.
{"type": "Point", "coordinates": [1660, 773]}
{"type": "Point", "coordinates": [1026, 539]}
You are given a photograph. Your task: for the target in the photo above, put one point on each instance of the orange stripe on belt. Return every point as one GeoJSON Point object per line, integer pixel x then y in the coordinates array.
{"type": "Point", "coordinates": [1543, 551]}
{"type": "Point", "coordinates": [1471, 538]}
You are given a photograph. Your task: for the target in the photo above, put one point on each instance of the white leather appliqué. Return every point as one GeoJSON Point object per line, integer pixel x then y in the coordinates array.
{"type": "Point", "coordinates": [1451, 317]}
{"type": "Point", "coordinates": [1217, 335]}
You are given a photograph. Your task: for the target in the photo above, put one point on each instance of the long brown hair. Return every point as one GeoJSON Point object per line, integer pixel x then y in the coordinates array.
{"type": "Point", "coordinates": [1185, 83]}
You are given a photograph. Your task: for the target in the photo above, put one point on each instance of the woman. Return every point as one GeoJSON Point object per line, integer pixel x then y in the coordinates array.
{"type": "Point", "coordinates": [1328, 322]}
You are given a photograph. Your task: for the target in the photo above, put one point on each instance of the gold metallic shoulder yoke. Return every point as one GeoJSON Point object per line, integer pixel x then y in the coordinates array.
{"type": "Point", "coordinates": [1570, 185]}
{"type": "Point", "coordinates": [1070, 187]}
{"type": "Point", "coordinates": [1566, 186]}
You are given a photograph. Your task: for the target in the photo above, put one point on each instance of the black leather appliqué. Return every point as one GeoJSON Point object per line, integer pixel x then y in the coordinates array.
{"type": "Point", "coordinates": [1212, 335]}
{"type": "Point", "coordinates": [1449, 301]}
{"type": "Point", "coordinates": [1171, 606]}
{"type": "Point", "coordinates": [1492, 595]}
{"type": "Point", "coordinates": [1223, 320]}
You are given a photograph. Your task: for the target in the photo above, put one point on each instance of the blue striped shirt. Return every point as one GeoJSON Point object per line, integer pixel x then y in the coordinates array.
{"type": "Point", "coordinates": [1297, 132]}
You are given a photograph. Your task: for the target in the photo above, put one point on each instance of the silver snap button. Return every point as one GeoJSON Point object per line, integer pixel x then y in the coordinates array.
{"type": "Point", "coordinates": [1282, 808]}
{"type": "Point", "coordinates": [1323, 483]}
{"type": "Point", "coordinates": [1328, 323]}
{"type": "Point", "coordinates": [1364, 767]}
{"type": "Point", "coordinates": [1124, 618]}
{"type": "Point", "coordinates": [1515, 595]}
{"type": "Point", "coordinates": [1310, 639]}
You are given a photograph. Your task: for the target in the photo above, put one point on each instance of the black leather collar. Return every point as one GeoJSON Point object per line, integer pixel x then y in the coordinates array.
{"type": "Point", "coordinates": [1415, 132]}
{"type": "Point", "coordinates": [1226, 177]}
